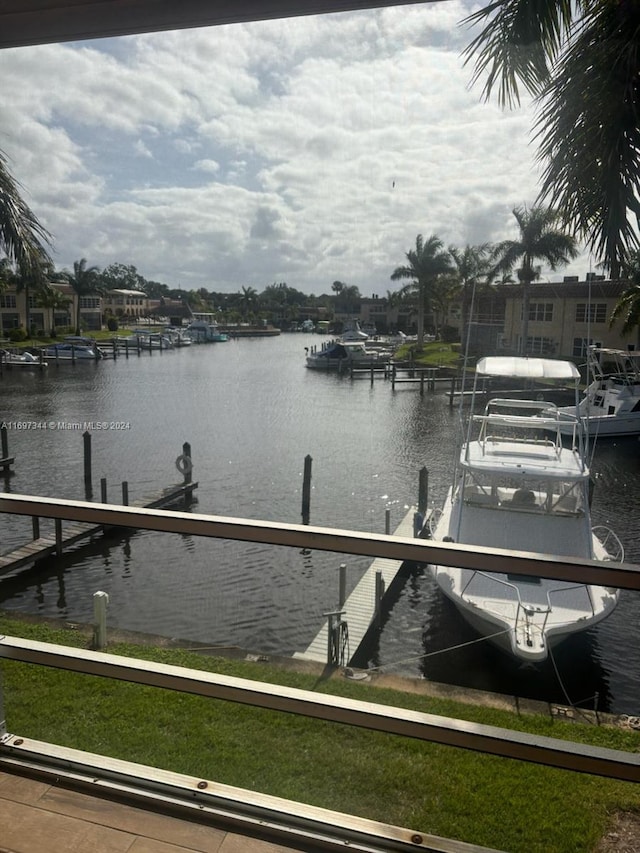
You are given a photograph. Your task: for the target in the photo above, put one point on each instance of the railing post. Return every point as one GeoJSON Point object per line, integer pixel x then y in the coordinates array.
{"type": "Point", "coordinates": [100, 602]}
{"type": "Point", "coordinates": [3, 719]}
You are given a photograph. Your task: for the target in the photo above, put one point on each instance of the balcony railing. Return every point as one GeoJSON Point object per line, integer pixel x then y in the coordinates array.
{"type": "Point", "coordinates": [284, 819]}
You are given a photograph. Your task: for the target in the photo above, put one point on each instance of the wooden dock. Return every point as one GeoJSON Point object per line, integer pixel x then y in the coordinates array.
{"type": "Point", "coordinates": [361, 607]}
{"type": "Point", "coordinates": [42, 547]}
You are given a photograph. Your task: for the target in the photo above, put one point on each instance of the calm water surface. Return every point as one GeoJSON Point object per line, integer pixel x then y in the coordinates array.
{"type": "Point", "coordinates": [252, 412]}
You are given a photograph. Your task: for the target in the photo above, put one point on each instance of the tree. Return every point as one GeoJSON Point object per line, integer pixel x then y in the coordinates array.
{"type": "Point", "coordinates": [22, 238]}
{"type": "Point", "coordinates": [539, 239]}
{"type": "Point", "coordinates": [52, 299]}
{"type": "Point", "coordinates": [121, 277]}
{"type": "Point", "coordinates": [589, 144]}
{"type": "Point", "coordinates": [472, 267]}
{"type": "Point", "coordinates": [627, 308]}
{"type": "Point", "coordinates": [84, 281]}
{"type": "Point", "coordinates": [248, 298]}
{"type": "Point", "coordinates": [424, 264]}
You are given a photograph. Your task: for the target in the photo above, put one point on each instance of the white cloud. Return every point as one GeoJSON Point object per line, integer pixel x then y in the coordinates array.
{"type": "Point", "coordinates": [303, 150]}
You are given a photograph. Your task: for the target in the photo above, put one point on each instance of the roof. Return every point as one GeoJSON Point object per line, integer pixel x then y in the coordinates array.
{"type": "Point", "coordinates": [518, 367]}
{"type": "Point", "coordinates": [567, 289]}
{"type": "Point", "coordinates": [24, 22]}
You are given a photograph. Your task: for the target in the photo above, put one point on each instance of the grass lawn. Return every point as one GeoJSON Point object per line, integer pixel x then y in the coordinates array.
{"type": "Point", "coordinates": [490, 801]}
{"type": "Point", "coordinates": [436, 354]}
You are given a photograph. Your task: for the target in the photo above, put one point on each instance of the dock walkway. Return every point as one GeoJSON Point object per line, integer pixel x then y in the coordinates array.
{"type": "Point", "coordinates": [361, 606]}
{"type": "Point", "coordinates": [46, 546]}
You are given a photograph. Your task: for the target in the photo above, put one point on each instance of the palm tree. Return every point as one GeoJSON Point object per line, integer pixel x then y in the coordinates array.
{"type": "Point", "coordinates": [84, 281]}
{"type": "Point", "coordinates": [472, 267]}
{"type": "Point", "coordinates": [52, 299]}
{"type": "Point", "coordinates": [424, 264]}
{"type": "Point", "coordinates": [248, 298]}
{"type": "Point", "coordinates": [22, 238]}
{"type": "Point", "coordinates": [539, 239]}
{"type": "Point", "coordinates": [589, 144]}
{"type": "Point", "coordinates": [628, 307]}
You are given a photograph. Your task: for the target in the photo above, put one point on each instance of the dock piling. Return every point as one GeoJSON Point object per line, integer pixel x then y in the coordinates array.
{"type": "Point", "coordinates": [58, 528]}
{"type": "Point", "coordinates": [342, 585]}
{"type": "Point", "coordinates": [125, 493]}
{"type": "Point", "coordinates": [5, 442]}
{"type": "Point", "coordinates": [100, 602]}
{"type": "Point", "coordinates": [306, 489]}
{"type": "Point", "coordinates": [103, 490]}
{"type": "Point", "coordinates": [88, 488]}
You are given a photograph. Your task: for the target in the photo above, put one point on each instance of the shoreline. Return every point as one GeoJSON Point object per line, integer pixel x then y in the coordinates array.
{"type": "Point", "coordinates": [437, 690]}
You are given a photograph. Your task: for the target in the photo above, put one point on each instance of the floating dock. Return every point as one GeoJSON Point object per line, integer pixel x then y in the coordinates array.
{"type": "Point", "coordinates": [361, 608]}
{"type": "Point", "coordinates": [42, 547]}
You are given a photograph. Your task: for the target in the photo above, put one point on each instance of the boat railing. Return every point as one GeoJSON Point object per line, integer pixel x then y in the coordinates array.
{"type": "Point", "coordinates": [610, 542]}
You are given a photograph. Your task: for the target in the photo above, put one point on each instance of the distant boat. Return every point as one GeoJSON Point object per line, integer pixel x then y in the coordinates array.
{"type": "Point", "coordinates": [611, 403]}
{"type": "Point", "coordinates": [517, 489]}
{"type": "Point", "coordinates": [341, 354]}
{"type": "Point", "coordinates": [24, 359]}
{"type": "Point", "coordinates": [203, 329]}
{"type": "Point", "coordinates": [74, 349]}
{"type": "Point", "coordinates": [353, 332]}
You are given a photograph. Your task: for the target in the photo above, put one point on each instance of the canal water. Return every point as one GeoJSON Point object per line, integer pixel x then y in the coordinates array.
{"type": "Point", "coordinates": [252, 412]}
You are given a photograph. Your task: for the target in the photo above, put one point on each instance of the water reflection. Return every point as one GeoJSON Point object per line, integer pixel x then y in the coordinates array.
{"type": "Point", "coordinates": [252, 414]}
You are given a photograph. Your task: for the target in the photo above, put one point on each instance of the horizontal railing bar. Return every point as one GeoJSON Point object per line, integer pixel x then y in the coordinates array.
{"type": "Point", "coordinates": [620, 575]}
{"type": "Point", "coordinates": [391, 720]}
{"type": "Point", "coordinates": [247, 812]}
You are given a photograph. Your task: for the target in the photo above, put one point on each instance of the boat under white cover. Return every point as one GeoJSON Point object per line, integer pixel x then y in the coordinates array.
{"type": "Point", "coordinates": [518, 487]}
{"type": "Point", "coordinates": [611, 403]}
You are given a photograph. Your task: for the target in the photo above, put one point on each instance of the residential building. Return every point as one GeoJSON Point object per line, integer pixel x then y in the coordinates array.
{"type": "Point", "coordinates": [564, 317]}
{"type": "Point", "coordinates": [25, 308]}
{"type": "Point", "coordinates": [126, 303]}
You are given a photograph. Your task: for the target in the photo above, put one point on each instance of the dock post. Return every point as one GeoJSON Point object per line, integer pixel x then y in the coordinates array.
{"type": "Point", "coordinates": [306, 489]}
{"type": "Point", "coordinates": [379, 594]}
{"type": "Point", "coordinates": [103, 490]}
{"type": "Point", "coordinates": [125, 493]}
{"type": "Point", "coordinates": [4, 438]}
{"type": "Point", "coordinates": [372, 373]}
{"type": "Point", "coordinates": [452, 391]}
{"type": "Point", "coordinates": [333, 637]}
{"type": "Point", "coordinates": [188, 469]}
{"type": "Point", "coordinates": [100, 602]}
{"type": "Point", "coordinates": [88, 488]}
{"type": "Point", "coordinates": [387, 522]}
{"type": "Point", "coordinates": [35, 526]}
{"type": "Point", "coordinates": [393, 378]}
{"type": "Point", "coordinates": [73, 353]}
{"type": "Point", "coordinates": [422, 383]}
{"type": "Point", "coordinates": [342, 585]}
{"type": "Point", "coordinates": [58, 526]}
{"type": "Point", "coordinates": [423, 490]}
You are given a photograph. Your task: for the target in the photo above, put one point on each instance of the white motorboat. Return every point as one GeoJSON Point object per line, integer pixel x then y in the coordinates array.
{"type": "Point", "coordinates": [69, 350]}
{"type": "Point", "coordinates": [353, 332]}
{"type": "Point", "coordinates": [343, 355]}
{"type": "Point", "coordinates": [23, 359]}
{"type": "Point", "coordinates": [518, 487]}
{"type": "Point", "coordinates": [203, 329]}
{"type": "Point", "coordinates": [611, 402]}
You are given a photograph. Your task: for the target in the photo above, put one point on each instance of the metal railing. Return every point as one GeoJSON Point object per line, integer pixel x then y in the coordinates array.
{"type": "Point", "coordinates": [263, 814]}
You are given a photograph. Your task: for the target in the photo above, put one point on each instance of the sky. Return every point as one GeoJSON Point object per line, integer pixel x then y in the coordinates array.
{"type": "Point", "coordinates": [304, 150]}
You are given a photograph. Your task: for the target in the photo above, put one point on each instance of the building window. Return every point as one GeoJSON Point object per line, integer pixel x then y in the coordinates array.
{"type": "Point", "coordinates": [541, 312]}
{"type": "Point", "coordinates": [540, 346]}
{"type": "Point", "coordinates": [591, 313]}
{"type": "Point", "coordinates": [8, 300]}
{"type": "Point", "coordinates": [581, 346]}
{"type": "Point", "coordinates": [89, 301]}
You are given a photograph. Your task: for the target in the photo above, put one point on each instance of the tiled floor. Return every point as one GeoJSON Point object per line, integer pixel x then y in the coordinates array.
{"type": "Point", "coordinates": [37, 817]}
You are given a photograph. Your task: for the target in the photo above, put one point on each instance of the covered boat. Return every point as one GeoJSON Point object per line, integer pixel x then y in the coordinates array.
{"type": "Point", "coordinates": [611, 403]}
{"type": "Point", "coordinates": [345, 354]}
{"type": "Point", "coordinates": [517, 486]}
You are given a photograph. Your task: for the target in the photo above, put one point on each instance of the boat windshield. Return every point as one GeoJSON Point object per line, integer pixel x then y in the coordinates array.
{"type": "Point", "coordinates": [550, 497]}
